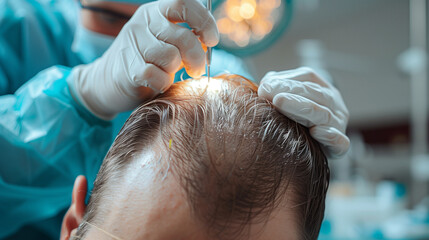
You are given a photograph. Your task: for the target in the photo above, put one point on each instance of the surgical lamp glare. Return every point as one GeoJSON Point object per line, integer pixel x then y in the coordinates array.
{"type": "Point", "coordinates": [252, 20]}
{"type": "Point", "coordinates": [247, 11]}
{"type": "Point", "coordinates": [247, 26]}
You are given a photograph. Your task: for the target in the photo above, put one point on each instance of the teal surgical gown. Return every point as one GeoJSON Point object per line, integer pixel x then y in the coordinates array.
{"type": "Point", "coordinates": [46, 138]}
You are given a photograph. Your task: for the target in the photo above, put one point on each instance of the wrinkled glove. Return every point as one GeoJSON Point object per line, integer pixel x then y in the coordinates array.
{"type": "Point", "coordinates": [144, 57]}
{"type": "Point", "coordinates": [303, 96]}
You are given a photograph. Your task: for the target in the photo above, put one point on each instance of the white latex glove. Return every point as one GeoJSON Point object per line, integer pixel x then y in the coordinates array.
{"type": "Point", "coordinates": [144, 57]}
{"type": "Point", "coordinates": [305, 97]}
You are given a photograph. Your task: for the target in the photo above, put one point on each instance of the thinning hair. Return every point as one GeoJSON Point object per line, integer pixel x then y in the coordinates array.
{"type": "Point", "coordinates": [235, 156]}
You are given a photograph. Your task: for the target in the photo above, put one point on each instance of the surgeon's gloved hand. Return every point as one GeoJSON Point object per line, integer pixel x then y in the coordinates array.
{"type": "Point", "coordinates": [305, 97]}
{"type": "Point", "coordinates": [144, 57]}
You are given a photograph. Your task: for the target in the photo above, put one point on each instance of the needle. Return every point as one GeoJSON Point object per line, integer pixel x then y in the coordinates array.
{"type": "Point", "coordinates": [209, 49]}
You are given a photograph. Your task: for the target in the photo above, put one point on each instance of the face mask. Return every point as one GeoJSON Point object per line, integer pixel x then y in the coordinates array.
{"type": "Point", "coordinates": [89, 45]}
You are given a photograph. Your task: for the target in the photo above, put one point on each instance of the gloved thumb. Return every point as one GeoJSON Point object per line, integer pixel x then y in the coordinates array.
{"type": "Point", "coordinates": [335, 142]}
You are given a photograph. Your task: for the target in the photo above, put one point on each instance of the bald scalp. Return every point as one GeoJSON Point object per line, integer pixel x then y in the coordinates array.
{"type": "Point", "coordinates": [234, 155]}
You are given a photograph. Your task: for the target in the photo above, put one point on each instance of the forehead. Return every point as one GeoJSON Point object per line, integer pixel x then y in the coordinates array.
{"type": "Point", "coordinates": [147, 203]}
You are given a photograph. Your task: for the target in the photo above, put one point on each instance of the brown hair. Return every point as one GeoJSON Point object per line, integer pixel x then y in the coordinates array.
{"type": "Point", "coordinates": [236, 156]}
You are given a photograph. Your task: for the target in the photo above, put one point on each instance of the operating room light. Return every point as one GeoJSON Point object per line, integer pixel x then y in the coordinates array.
{"type": "Point", "coordinates": [245, 23]}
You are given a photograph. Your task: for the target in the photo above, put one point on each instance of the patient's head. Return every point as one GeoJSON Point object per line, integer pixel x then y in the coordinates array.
{"type": "Point", "coordinates": [206, 161]}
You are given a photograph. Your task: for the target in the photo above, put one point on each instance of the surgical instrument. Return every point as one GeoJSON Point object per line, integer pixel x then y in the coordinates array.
{"type": "Point", "coordinates": [209, 49]}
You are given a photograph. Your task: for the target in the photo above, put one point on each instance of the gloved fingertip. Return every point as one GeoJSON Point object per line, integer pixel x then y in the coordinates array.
{"type": "Point", "coordinates": [163, 90]}
{"type": "Point", "coordinates": [285, 101]}
{"type": "Point", "coordinates": [265, 91]}
{"type": "Point", "coordinates": [336, 144]}
{"type": "Point", "coordinates": [150, 91]}
{"type": "Point", "coordinates": [211, 38]}
{"type": "Point", "coordinates": [266, 87]}
{"type": "Point", "coordinates": [195, 74]}
{"type": "Point", "coordinates": [336, 152]}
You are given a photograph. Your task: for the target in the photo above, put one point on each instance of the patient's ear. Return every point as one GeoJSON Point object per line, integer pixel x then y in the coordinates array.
{"type": "Point", "coordinates": [75, 214]}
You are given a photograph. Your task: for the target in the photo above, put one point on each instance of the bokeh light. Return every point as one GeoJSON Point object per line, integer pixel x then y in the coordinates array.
{"type": "Point", "coordinates": [245, 22]}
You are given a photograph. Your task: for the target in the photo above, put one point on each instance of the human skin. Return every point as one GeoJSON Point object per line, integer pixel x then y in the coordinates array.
{"type": "Point", "coordinates": [150, 204]}
{"type": "Point", "coordinates": [111, 26]}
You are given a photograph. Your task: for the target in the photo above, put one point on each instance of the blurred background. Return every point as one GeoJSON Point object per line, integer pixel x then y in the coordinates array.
{"type": "Point", "coordinates": [375, 53]}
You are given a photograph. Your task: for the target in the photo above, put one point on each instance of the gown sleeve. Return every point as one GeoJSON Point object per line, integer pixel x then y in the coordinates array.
{"type": "Point", "coordinates": [34, 35]}
{"type": "Point", "coordinates": [46, 140]}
